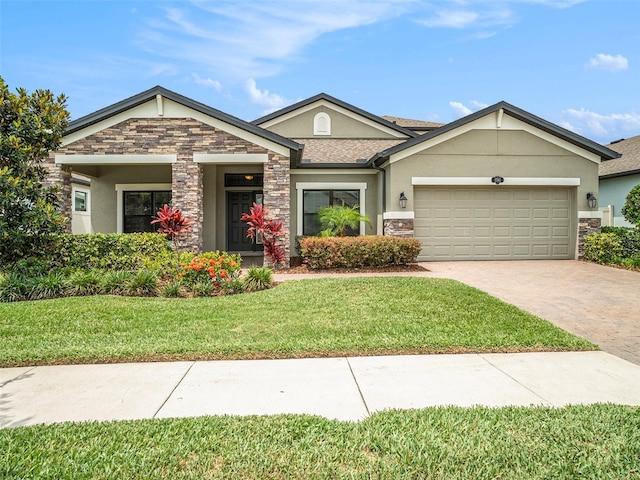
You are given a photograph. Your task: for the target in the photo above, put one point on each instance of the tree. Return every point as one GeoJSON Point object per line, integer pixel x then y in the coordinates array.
{"type": "Point", "coordinates": [335, 220]}
{"type": "Point", "coordinates": [631, 209]}
{"type": "Point", "coordinates": [31, 126]}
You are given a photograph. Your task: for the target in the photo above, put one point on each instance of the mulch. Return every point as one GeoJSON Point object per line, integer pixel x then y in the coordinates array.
{"type": "Point", "coordinates": [298, 267]}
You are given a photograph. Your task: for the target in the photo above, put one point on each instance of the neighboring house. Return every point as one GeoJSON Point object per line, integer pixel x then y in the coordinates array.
{"type": "Point", "coordinates": [500, 183]}
{"type": "Point", "coordinates": [617, 178]}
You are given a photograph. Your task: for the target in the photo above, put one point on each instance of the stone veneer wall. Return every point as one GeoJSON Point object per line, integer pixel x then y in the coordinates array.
{"type": "Point", "coordinates": [398, 227]}
{"type": "Point", "coordinates": [61, 176]}
{"type": "Point", "coordinates": [585, 227]}
{"type": "Point", "coordinates": [183, 137]}
{"type": "Point", "coordinates": [277, 192]}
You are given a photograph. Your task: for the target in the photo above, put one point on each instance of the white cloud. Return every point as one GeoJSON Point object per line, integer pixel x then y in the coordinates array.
{"type": "Point", "coordinates": [254, 39]}
{"type": "Point", "coordinates": [602, 127]}
{"type": "Point", "coordinates": [451, 19]}
{"type": "Point", "coordinates": [483, 16]}
{"type": "Point", "coordinates": [613, 63]}
{"type": "Point", "coordinates": [464, 110]}
{"type": "Point", "coordinates": [207, 82]}
{"type": "Point", "coordinates": [264, 98]}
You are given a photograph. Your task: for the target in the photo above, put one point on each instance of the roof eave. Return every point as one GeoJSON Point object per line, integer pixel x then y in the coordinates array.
{"type": "Point", "coordinates": [620, 174]}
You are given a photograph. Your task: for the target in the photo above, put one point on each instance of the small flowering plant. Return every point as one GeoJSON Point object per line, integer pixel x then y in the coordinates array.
{"type": "Point", "coordinates": [219, 269]}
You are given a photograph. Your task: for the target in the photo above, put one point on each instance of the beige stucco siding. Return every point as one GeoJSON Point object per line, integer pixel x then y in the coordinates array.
{"type": "Point", "coordinates": [480, 153]}
{"type": "Point", "coordinates": [342, 126]}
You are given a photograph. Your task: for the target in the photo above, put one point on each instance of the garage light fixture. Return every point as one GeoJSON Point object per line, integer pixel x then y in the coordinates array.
{"type": "Point", "coordinates": [403, 200]}
{"type": "Point", "coordinates": [497, 179]}
{"type": "Point", "coordinates": [591, 198]}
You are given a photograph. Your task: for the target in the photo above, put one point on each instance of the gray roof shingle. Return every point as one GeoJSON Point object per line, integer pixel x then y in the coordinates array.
{"type": "Point", "coordinates": [628, 163]}
{"type": "Point", "coordinates": [343, 150]}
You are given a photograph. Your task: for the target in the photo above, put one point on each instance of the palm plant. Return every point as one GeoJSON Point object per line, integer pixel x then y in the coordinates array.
{"type": "Point", "coordinates": [335, 220]}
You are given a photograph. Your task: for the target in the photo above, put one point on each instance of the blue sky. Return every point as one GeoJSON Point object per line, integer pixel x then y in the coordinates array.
{"type": "Point", "coordinates": [575, 63]}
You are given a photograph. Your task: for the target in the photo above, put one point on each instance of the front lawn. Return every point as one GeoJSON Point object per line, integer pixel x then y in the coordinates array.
{"type": "Point", "coordinates": [310, 318]}
{"type": "Point", "coordinates": [595, 442]}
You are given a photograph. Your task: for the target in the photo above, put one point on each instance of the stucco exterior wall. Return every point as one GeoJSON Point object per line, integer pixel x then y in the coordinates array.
{"type": "Point", "coordinates": [485, 153]}
{"type": "Point", "coordinates": [342, 126]}
{"type": "Point", "coordinates": [614, 191]}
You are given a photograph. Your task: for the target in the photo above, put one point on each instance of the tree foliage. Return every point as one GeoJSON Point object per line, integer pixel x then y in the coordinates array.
{"type": "Point", "coordinates": [335, 220]}
{"type": "Point", "coordinates": [31, 126]}
{"type": "Point", "coordinates": [631, 209]}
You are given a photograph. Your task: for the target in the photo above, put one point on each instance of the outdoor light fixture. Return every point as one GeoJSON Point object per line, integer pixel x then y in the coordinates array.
{"type": "Point", "coordinates": [497, 179]}
{"type": "Point", "coordinates": [403, 200]}
{"type": "Point", "coordinates": [593, 201]}
{"type": "Point", "coordinates": [248, 178]}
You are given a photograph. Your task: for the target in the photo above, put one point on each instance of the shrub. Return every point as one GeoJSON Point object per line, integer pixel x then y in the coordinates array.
{"type": "Point", "coordinates": [171, 290]}
{"type": "Point", "coordinates": [13, 288]}
{"type": "Point", "coordinates": [356, 252]}
{"type": "Point", "coordinates": [218, 269]}
{"type": "Point", "coordinates": [258, 278]}
{"type": "Point", "coordinates": [269, 230]}
{"type": "Point", "coordinates": [52, 285]}
{"type": "Point", "coordinates": [602, 247]}
{"type": "Point", "coordinates": [114, 251]}
{"type": "Point", "coordinates": [143, 283]}
{"type": "Point", "coordinates": [115, 282]}
{"type": "Point", "coordinates": [84, 283]}
{"type": "Point", "coordinates": [629, 238]}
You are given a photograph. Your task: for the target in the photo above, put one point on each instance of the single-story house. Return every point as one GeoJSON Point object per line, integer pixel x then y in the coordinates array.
{"type": "Point", "coordinates": [617, 178]}
{"type": "Point", "coordinates": [498, 184]}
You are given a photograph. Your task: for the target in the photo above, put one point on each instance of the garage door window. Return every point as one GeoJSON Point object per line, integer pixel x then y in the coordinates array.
{"type": "Point", "coordinates": [314, 200]}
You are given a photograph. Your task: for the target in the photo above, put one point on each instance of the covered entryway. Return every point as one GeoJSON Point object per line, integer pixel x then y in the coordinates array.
{"type": "Point", "coordinates": [237, 204]}
{"type": "Point", "coordinates": [495, 222]}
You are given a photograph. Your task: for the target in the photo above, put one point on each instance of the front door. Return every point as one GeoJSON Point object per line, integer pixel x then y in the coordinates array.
{"type": "Point", "coordinates": [237, 204]}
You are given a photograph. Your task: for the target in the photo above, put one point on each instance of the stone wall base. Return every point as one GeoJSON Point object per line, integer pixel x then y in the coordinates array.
{"type": "Point", "coordinates": [398, 227]}
{"type": "Point", "coordinates": [585, 227]}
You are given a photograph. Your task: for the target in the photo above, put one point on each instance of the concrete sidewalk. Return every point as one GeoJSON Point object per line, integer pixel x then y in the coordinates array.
{"type": "Point", "coordinates": [337, 388]}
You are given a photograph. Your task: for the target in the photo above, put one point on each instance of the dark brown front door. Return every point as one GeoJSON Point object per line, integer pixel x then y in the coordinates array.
{"type": "Point", "coordinates": [237, 204]}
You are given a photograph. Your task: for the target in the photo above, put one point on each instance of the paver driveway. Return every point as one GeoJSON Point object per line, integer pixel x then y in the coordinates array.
{"type": "Point", "coordinates": [601, 304]}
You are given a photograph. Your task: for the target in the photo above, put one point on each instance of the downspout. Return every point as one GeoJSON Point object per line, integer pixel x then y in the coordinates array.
{"type": "Point", "coordinates": [384, 191]}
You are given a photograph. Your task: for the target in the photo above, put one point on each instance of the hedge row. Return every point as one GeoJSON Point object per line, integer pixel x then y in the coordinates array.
{"type": "Point", "coordinates": [615, 245]}
{"type": "Point", "coordinates": [357, 252]}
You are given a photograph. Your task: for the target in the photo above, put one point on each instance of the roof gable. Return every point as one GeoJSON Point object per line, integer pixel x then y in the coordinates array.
{"type": "Point", "coordinates": [543, 128]}
{"type": "Point", "coordinates": [143, 102]}
{"type": "Point", "coordinates": [323, 99]}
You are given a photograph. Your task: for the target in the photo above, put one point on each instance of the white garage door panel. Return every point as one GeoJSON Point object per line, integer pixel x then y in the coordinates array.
{"type": "Point", "coordinates": [475, 223]}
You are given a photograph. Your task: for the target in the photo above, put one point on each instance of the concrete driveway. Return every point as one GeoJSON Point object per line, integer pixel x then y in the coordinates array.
{"type": "Point", "coordinates": [601, 304]}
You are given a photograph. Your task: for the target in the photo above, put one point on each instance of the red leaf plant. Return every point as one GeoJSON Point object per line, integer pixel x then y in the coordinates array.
{"type": "Point", "coordinates": [172, 222]}
{"type": "Point", "coordinates": [268, 229]}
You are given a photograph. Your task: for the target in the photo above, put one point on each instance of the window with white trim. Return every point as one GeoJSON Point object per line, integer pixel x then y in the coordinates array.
{"type": "Point", "coordinates": [80, 201]}
{"type": "Point", "coordinates": [314, 200]}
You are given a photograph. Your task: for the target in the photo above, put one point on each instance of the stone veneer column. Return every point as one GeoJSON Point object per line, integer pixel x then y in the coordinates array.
{"type": "Point", "coordinates": [398, 227]}
{"type": "Point", "coordinates": [60, 175]}
{"type": "Point", "coordinates": [187, 195]}
{"type": "Point", "coordinates": [277, 198]}
{"type": "Point", "coordinates": [585, 227]}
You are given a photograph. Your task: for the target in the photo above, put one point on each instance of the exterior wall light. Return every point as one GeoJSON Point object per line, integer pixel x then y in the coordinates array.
{"type": "Point", "coordinates": [403, 200]}
{"type": "Point", "coordinates": [497, 179]}
{"type": "Point", "coordinates": [591, 198]}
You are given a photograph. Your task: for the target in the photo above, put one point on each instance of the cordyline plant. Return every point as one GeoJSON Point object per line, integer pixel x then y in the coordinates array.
{"type": "Point", "coordinates": [268, 229]}
{"type": "Point", "coordinates": [172, 223]}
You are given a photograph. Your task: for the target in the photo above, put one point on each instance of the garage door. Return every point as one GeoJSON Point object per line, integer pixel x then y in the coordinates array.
{"type": "Point", "coordinates": [494, 223]}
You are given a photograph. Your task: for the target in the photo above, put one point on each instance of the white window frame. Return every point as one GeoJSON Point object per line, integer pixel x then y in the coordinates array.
{"type": "Point", "coordinates": [87, 192]}
{"type": "Point", "coordinates": [302, 186]}
{"type": "Point", "coordinates": [128, 187]}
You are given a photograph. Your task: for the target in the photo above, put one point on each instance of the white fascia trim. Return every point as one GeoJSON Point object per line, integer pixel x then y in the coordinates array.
{"type": "Point", "coordinates": [589, 214]}
{"type": "Point", "coordinates": [336, 108]}
{"type": "Point", "coordinates": [127, 187]}
{"type": "Point", "coordinates": [172, 109]}
{"type": "Point", "coordinates": [398, 215]}
{"type": "Point", "coordinates": [302, 186]}
{"type": "Point", "coordinates": [508, 181]}
{"type": "Point", "coordinates": [333, 171]}
{"type": "Point", "coordinates": [489, 122]}
{"type": "Point", "coordinates": [115, 159]}
{"type": "Point", "coordinates": [230, 157]}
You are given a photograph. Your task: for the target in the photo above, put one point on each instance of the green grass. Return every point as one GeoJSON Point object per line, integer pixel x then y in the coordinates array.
{"type": "Point", "coordinates": [590, 442]}
{"type": "Point", "coordinates": [311, 318]}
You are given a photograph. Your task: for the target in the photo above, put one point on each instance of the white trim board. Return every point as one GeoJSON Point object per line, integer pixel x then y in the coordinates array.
{"type": "Point", "coordinates": [508, 181]}
{"type": "Point", "coordinates": [115, 159]}
{"type": "Point", "coordinates": [230, 158]}
{"type": "Point", "coordinates": [302, 186]}
{"type": "Point", "coordinates": [402, 215]}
